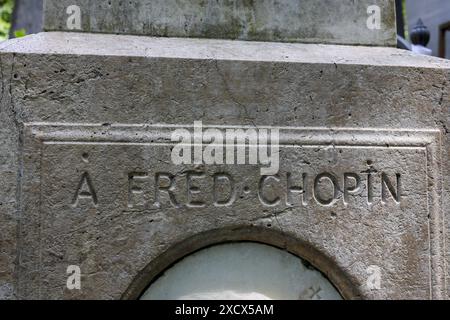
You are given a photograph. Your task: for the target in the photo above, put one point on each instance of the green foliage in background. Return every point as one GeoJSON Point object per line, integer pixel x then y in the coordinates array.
{"type": "Point", "coordinates": [6, 9]}
{"type": "Point", "coordinates": [405, 18]}
{"type": "Point", "coordinates": [20, 33]}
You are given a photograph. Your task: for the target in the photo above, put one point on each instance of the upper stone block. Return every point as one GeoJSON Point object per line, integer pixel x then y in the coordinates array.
{"type": "Point", "coordinates": [361, 22]}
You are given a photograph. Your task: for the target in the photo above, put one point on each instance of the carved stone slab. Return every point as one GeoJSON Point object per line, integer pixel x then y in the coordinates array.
{"type": "Point", "coordinates": [330, 184]}
{"type": "Point", "coordinates": [362, 188]}
{"type": "Point", "coordinates": [363, 22]}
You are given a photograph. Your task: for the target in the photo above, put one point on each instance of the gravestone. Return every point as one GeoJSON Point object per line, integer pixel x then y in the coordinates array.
{"type": "Point", "coordinates": [351, 146]}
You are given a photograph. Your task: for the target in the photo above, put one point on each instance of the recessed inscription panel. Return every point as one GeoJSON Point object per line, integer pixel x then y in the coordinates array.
{"type": "Point", "coordinates": [140, 178]}
{"type": "Point", "coordinates": [364, 202]}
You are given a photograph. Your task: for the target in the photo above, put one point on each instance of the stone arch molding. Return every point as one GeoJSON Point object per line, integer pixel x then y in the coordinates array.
{"type": "Point", "coordinates": [339, 278]}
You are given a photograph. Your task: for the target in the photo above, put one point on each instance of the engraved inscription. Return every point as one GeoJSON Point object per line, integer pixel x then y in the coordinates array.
{"type": "Point", "coordinates": [224, 190]}
{"type": "Point", "coordinates": [85, 191]}
{"type": "Point", "coordinates": [330, 183]}
{"type": "Point", "coordinates": [327, 189]}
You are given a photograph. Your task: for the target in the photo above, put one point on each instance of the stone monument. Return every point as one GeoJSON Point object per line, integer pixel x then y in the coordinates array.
{"type": "Point", "coordinates": [135, 134]}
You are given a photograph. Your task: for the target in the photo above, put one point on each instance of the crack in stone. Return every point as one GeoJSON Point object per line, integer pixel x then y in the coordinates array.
{"type": "Point", "coordinates": [231, 95]}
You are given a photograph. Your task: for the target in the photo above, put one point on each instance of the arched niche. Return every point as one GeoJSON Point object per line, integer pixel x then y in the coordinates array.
{"type": "Point", "coordinates": [241, 271]}
{"type": "Point", "coordinates": [299, 251]}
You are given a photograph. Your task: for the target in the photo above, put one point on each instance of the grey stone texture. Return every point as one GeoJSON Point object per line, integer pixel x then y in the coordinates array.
{"type": "Point", "coordinates": [9, 178]}
{"type": "Point", "coordinates": [86, 170]}
{"type": "Point", "coordinates": [311, 21]}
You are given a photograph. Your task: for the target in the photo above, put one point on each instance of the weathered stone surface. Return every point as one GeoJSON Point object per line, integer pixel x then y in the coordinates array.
{"type": "Point", "coordinates": [9, 165]}
{"type": "Point", "coordinates": [241, 271]}
{"type": "Point", "coordinates": [95, 115]}
{"type": "Point", "coordinates": [312, 21]}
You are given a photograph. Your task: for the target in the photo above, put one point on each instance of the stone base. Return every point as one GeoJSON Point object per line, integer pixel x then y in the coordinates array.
{"type": "Point", "coordinates": [88, 179]}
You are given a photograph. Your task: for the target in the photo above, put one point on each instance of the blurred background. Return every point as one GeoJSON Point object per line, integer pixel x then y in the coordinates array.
{"type": "Point", "coordinates": [20, 17]}
{"type": "Point", "coordinates": [423, 25]}
{"type": "Point", "coordinates": [435, 15]}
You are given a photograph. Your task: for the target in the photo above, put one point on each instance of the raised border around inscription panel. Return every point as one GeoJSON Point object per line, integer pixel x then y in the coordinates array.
{"type": "Point", "coordinates": [37, 134]}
